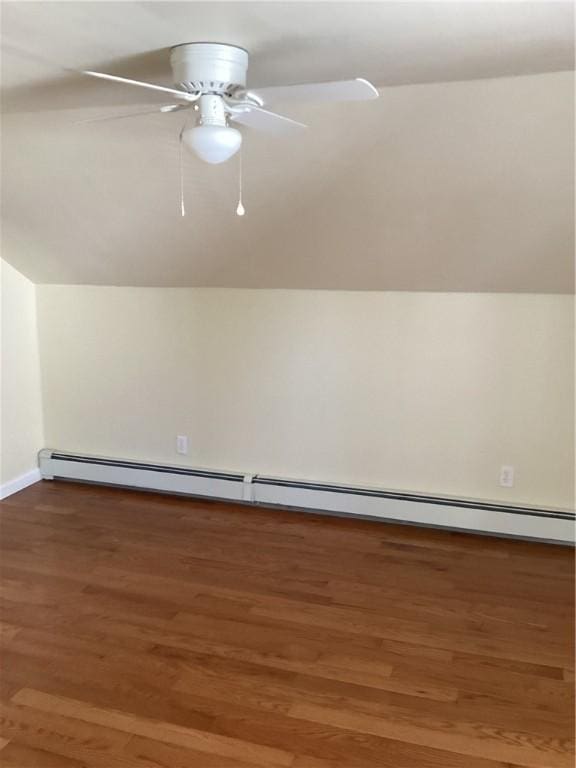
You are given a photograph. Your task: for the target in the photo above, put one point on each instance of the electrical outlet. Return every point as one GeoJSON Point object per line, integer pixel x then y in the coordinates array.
{"type": "Point", "coordinates": [182, 444]}
{"type": "Point", "coordinates": [507, 476]}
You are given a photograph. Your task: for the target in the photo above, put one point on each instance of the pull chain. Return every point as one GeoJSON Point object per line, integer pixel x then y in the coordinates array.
{"type": "Point", "coordinates": [182, 208]}
{"type": "Point", "coordinates": [240, 210]}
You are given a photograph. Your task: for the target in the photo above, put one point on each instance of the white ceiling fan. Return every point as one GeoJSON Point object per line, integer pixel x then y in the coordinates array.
{"type": "Point", "coordinates": [210, 78]}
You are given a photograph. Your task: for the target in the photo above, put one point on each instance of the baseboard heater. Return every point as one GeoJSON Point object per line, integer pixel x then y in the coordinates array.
{"type": "Point", "coordinates": [447, 512]}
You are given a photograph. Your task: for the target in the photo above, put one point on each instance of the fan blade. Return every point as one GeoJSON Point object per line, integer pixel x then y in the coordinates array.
{"type": "Point", "coordinates": [339, 90]}
{"type": "Point", "coordinates": [181, 94]}
{"type": "Point", "coordinates": [163, 110]}
{"type": "Point", "coordinates": [263, 120]}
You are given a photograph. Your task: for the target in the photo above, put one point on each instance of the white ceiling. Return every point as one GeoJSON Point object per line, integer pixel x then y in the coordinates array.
{"type": "Point", "coordinates": [465, 186]}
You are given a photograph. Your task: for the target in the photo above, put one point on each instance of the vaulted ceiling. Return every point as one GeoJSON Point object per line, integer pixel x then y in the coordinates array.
{"type": "Point", "coordinates": [459, 178]}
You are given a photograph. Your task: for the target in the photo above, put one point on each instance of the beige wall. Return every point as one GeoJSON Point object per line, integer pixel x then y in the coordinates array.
{"type": "Point", "coordinates": [20, 401]}
{"type": "Point", "coordinates": [427, 392]}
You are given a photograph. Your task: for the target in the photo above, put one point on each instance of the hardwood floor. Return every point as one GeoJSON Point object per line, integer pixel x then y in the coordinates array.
{"type": "Point", "coordinates": [148, 631]}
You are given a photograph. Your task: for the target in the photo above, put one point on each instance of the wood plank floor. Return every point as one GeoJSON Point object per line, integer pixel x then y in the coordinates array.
{"type": "Point", "coordinates": [148, 631]}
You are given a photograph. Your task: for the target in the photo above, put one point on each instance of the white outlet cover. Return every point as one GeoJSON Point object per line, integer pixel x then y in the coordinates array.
{"type": "Point", "coordinates": [182, 444]}
{"type": "Point", "coordinates": [507, 476]}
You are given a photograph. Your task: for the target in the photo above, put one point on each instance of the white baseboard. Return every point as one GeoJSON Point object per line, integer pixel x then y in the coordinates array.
{"type": "Point", "coordinates": [134, 474]}
{"type": "Point", "coordinates": [465, 515]}
{"type": "Point", "coordinates": [419, 509]}
{"type": "Point", "coordinates": [19, 483]}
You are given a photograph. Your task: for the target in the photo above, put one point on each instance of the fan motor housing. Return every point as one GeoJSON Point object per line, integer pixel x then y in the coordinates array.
{"type": "Point", "coordinates": [209, 67]}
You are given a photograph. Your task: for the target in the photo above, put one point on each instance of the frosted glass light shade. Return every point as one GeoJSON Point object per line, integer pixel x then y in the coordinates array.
{"type": "Point", "coordinates": [213, 143]}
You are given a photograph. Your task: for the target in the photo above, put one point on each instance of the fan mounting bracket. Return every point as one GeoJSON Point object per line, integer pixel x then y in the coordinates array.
{"type": "Point", "coordinates": [209, 68]}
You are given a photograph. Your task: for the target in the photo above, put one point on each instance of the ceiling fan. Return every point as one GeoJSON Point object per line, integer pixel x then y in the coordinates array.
{"type": "Point", "coordinates": [210, 79]}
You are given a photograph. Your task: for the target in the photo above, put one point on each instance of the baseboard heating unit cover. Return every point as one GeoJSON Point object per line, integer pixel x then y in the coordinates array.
{"type": "Point", "coordinates": [420, 509]}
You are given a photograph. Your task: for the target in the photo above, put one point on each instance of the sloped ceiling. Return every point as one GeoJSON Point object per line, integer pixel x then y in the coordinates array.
{"type": "Point", "coordinates": [459, 178]}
